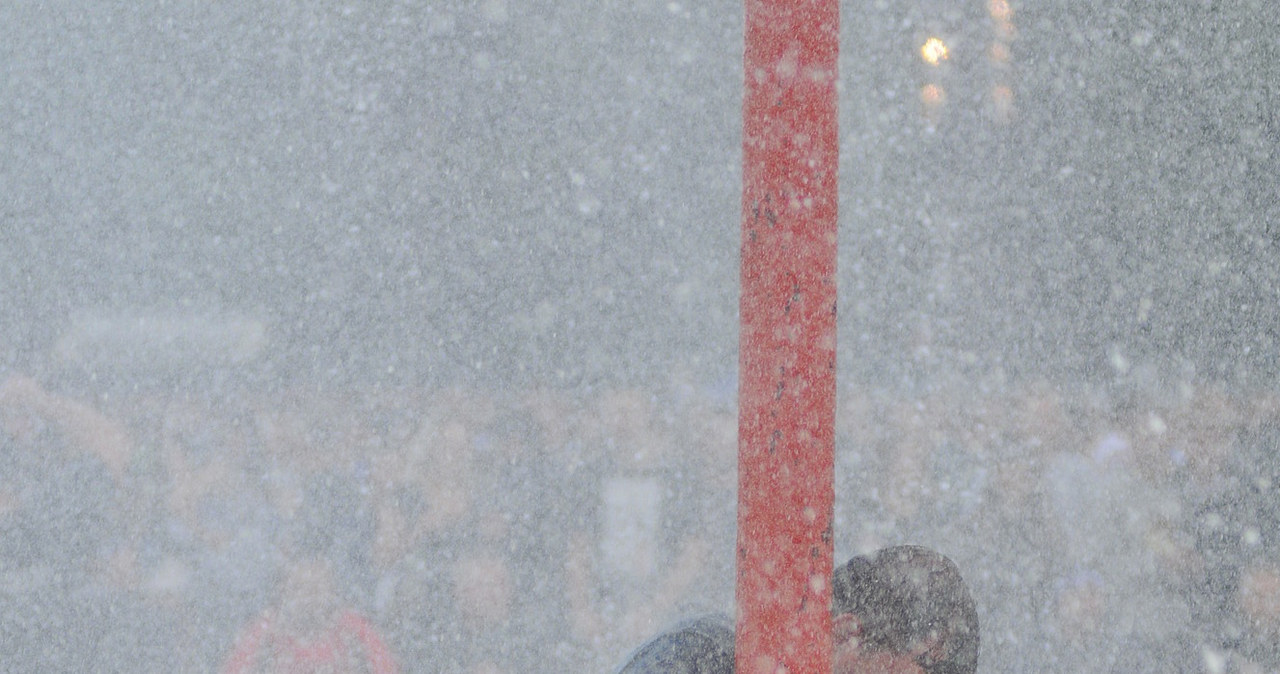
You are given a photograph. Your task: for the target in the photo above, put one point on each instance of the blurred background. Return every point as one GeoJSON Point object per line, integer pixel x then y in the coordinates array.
{"type": "Point", "coordinates": [442, 297]}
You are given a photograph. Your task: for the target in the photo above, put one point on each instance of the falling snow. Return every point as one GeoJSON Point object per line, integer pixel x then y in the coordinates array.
{"type": "Point", "coordinates": [404, 335]}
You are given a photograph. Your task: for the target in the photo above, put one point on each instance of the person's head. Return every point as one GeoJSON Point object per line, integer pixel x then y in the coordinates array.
{"type": "Point", "coordinates": [903, 609]}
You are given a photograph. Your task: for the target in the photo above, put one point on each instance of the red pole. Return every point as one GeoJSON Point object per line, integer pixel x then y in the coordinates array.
{"type": "Point", "coordinates": [787, 344]}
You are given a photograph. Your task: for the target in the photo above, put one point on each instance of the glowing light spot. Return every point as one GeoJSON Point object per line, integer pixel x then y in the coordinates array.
{"type": "Point", "coordinates": [1002, 14]}
{"type": "Point", "coordinates": [933, 99]}
{"type": "Point", "coordinates": [933, 95]}
{"type": "Point", "coordinates": [934, 51]}
{"type": "Point", "coordinates": [1000, 10]}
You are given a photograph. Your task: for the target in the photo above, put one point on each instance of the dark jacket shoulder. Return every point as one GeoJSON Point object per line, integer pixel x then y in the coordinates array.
{"type": "Point", "coordinates": [701, 645]}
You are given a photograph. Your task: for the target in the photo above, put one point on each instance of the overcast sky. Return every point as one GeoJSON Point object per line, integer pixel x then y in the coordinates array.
{"type": "Point", "coordinates": [549, 191]}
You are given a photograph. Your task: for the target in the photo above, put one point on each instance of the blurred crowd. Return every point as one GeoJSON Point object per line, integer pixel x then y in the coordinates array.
{"type": "Point", "coordinates": [314, 530]}
{"type": "Point", "coordinates": [1101, 532]}
{"type": "Point", "coordinates": [472, 531]}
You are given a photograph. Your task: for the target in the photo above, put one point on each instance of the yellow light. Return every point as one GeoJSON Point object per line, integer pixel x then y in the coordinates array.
{"type": "Point", "coordinates": [933, 51]}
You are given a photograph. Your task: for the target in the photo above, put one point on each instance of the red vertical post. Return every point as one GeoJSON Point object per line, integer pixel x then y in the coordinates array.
{"type": "Point", "coordinates": [787, 342]}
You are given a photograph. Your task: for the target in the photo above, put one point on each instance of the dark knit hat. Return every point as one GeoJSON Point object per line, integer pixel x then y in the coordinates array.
{"type": "Point", "coordinates": [908, 596]}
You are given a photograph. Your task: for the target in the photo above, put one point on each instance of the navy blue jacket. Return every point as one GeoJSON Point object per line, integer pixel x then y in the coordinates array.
{"type": "Point", "coordinates": [698, 646]}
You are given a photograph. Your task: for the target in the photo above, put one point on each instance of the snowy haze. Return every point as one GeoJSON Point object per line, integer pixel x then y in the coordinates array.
{"type": "Point", "coordinates": [444, 295]}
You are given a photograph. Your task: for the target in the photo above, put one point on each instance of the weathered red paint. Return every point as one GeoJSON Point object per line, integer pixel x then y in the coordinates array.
{"type": "Point", "coordinates": [787, 343]}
